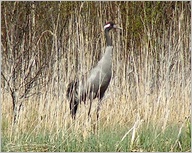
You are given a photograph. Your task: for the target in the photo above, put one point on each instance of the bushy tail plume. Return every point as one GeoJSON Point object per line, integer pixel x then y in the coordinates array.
{"type": "Point", "coordinates": [73, 97]}
{"type": "Point", "coordinates": [71, 89]}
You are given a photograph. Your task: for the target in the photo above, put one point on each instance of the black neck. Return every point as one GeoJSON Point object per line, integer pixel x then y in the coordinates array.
{"type": "Point", "coordinates": [108, 39]}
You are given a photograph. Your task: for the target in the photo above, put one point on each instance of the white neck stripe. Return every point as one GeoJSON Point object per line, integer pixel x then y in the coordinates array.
{"type": "Point", "coordinates": [107, 26]}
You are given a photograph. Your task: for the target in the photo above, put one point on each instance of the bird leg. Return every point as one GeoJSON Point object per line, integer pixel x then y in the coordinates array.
{"type": "Point", "coordinates": [73, 108]}
{"type": "Point", "coordinates": [90, 108]}
{"type": "Point", "coordinates": [98, 108]}
{"type": "Point", "coordinates": [100, 97]}
{"type": "Point", "coordinates": [91, 97]}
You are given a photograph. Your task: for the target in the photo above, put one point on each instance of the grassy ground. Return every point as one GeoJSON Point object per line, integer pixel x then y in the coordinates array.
{"type": "Point", "coordinates": [117, 130]}
{"type": "Point", "coordinates": [147, 138]}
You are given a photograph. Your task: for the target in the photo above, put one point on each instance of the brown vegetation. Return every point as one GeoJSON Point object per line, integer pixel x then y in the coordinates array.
{"type": "Point", "coordinates": [47, 44]}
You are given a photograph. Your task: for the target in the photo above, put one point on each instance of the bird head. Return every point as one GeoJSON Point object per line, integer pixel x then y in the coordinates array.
{"type": "Point", "coordinates": [111, 25]}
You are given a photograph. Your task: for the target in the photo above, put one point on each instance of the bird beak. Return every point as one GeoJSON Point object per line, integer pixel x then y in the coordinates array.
{"type": "Point", "coordinates": [116, 27]}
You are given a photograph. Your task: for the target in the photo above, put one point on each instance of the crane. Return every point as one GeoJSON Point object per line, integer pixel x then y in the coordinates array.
{"type": "Point", "coordinates": [95, 82]}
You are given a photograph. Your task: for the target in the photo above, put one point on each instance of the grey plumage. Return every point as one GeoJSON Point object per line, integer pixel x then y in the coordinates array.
{"type": "Point", "coordinates": [94, 83]}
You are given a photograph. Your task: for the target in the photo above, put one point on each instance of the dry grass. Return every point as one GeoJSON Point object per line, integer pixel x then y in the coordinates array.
{"type": "Point", "coordinates": [52, 116]}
